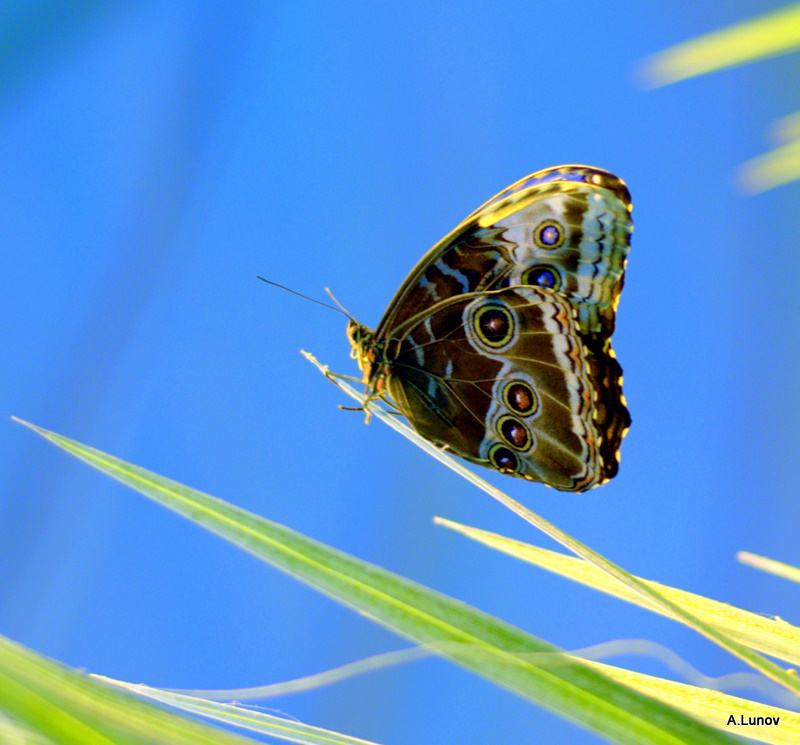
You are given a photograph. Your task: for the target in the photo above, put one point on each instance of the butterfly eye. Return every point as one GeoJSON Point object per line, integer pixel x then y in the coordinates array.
{"type": "Point", "coordinates": [542, 276]}
{"type": "Point", "coordinates": [520, 397]}
{"type": "Point", "coordinates": [493, 325]}
{"type": "Point", "coordinates": [515, 433]}
{"type": "Point", "coordinates": [503, 459]}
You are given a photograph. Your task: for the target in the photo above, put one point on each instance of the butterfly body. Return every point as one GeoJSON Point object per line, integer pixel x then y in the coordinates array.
{"type": "Point", "coordinates": [497, 345]}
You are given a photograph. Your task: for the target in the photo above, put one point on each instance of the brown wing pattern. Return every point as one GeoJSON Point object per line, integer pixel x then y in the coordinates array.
{"type": "Point", "coordinates": [497, 345]}
{"type": "Point", "coordinates": [566, 228]}
{"type": "Point", "coordinates": [503, 379]}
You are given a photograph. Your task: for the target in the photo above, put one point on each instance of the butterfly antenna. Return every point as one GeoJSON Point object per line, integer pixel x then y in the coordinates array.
{"type": "Point", "coordinates": [341, 307]}
{"type": "Point", "coordinates": [306, 297]}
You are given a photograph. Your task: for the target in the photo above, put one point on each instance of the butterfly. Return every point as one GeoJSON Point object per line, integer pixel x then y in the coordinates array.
{"type": "Point", "coordinates": [497, 346]}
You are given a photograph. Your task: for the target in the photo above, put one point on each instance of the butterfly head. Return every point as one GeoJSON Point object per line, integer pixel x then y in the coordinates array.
{"type": "Point", "coordinates": [363, 351]}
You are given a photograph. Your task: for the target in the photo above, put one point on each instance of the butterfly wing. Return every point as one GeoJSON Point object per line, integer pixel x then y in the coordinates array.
{"type": "Point", "coordinates": [497, 346]}
{"type": "Point", "coordinates": [565, 228]}
{"type": "Point", "coordinates": [504, 379]}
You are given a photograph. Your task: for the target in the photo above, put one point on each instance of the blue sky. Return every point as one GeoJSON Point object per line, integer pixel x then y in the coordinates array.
{"type": "Point", "coordinates": [156, 157]}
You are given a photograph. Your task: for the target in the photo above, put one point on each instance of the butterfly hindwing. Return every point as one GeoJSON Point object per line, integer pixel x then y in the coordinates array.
{"type": "Point", "coordinates": [502, 379]}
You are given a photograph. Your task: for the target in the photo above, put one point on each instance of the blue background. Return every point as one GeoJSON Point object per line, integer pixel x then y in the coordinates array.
{"type": "Point", "coordinates": [155, 157]}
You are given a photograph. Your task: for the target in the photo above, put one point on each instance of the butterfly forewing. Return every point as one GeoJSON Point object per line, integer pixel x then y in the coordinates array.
{"type": "Point", "coordinates": [565, 228]}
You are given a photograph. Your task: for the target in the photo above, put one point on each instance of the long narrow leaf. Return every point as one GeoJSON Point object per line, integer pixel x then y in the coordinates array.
{"type": "Point", "coordinates": [776, 638]}
{"type": "Point", "coordinates": [778, 568]}
{"type": "Point", "coordinates": [774, 168]}
{"type": "Point", "coordinates": [770, 34]}
{"type": "Point", "coordinates": [69, 708]}
{"type": "Point", "coordinates": [243, 716]}
{"type": "Point", "coordinates": [751, 719]}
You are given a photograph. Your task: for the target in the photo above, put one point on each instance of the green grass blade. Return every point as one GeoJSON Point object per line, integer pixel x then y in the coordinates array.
{"type": "Point", "coordinates": [488, 646]}
{"type": "Point", "coordinates": [15, 733]}
{"type": "Point", "coordinates": [715, 708]}
{"type": "Point", "coordinates": [774, 168]}
{"type": "Point", "coordinates": [776, 638]}
{"type": "Point", "coordinates": [243, 716]}
{"type": "Point", "coordinates": [57, 704]}
{"type": "Point", "coordinates": [768, 35]}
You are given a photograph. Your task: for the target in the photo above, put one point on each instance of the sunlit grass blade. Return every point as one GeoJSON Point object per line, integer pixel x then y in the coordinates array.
{"type": "Point", "coordinates": [55, 704]}
{"type": "Point", "coordinates": [16, 733]}
{"type": "Point", "coordinates": [768, 35]}
{"type": "Point", "coordinates": [486, 645]}
{"type": "Point", "coordinates": [752, 658]}
{"type": "Point", "coordinates": [776, 638]}
{"type": "Point", "coordinates": [774, 168]}
{"type": "Point", "coordinates": [245, 717]}
{"type": "Point", "coordinates": [715, 708]}
{"type": "Point", "coordinates": [778, 568]}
